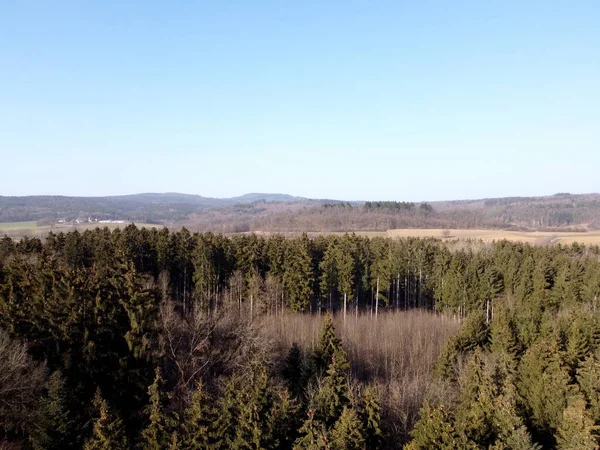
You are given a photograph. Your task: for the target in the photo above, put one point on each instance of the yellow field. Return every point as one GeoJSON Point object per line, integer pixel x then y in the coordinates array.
{"type": "Point", "coordinates": [532, 237]}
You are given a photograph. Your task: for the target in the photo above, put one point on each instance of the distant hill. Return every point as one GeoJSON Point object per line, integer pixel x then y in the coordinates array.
{"type": "Point", "coordinates": [146, 207]}
{"type": "Point", "coordinates": [283, 212]}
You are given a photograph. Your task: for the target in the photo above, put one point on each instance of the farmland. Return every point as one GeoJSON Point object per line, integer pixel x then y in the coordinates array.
{"type": "Point", "coordinates": [591, 237]}
{"type": "Point", "coordinates": [19, 230]}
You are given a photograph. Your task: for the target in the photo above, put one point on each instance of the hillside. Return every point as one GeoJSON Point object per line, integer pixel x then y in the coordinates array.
{"type": "Point", "coordinates": [258, 212]}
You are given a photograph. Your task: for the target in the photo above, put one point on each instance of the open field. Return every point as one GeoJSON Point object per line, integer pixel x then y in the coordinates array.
{"type": "Point", "coordinates": [9, 226]}
{"type": "Point", "coordinates": [532, 237]}
{"type": "Point", "coordinates": [31, 229]}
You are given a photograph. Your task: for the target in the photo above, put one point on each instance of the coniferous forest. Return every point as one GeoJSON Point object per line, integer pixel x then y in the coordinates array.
{"type": "Point", "coordinates": [151, 339]}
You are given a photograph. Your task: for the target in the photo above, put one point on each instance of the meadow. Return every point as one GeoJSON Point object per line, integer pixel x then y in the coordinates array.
{"type": "Point", "coordinates": [17, 230]}
{"type": "Point", "coordinates": [532, 237]}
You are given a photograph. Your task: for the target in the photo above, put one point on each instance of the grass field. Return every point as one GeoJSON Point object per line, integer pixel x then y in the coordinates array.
{"type": "Point", "coordinates": [21, 229]}
{"type": "Point", "coordinates": [532, 237]}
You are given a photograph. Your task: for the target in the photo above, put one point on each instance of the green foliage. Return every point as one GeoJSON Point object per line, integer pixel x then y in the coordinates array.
{"type": "Point", "coordinates": [370, 416]}
{"type": "Point", "coordinates": [294, 372]}
{"type": "Point", "coordinates": [544, 385]}
{"type": "Point", "coordinates": [347, 434]}
{"type": "Point", "coordinates": [588, 378]}
{"type": "Point", "coordinates": [435, 430]}
{"type": "Point", "coordinates": [199, 418]}
{"type": "Point", "coordinates": [108, 432]}
{"type": "Point", "coordinates": [313, 435]}
{"type": "Point", "coordinates": [157, 434]}
{"type": "Point", "coordinates": [334, 394]}
{"type": "Point", "coordinates": [53, 425]}
{"type": "Point", "coordinates": [577, 430]}
{"type": "Point", "coordinates": [327, 345]}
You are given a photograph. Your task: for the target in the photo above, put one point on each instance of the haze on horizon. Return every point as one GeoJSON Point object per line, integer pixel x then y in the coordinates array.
{"type": "Point", "coordinates": [343, 100]}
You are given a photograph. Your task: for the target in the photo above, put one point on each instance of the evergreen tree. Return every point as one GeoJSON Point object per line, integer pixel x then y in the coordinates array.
{"type": "Point", "coordinates": [371, 419]}
{"type": "Point", "coordinates": [53, 427]}
{"type": "Point", "coordinates": [198, 420]}
{"type": "Point", "coordinates": [256, 428]}
{"type": "Point", "coordinates": [510, 429]}
{"type": "Point", "coordinates": [229, 408]}
{"type": "Point", "coordinates": [435, 430]}
{"type": "Point", "coordinates": [347, 434]}
{"type": "Point", "coordinates": [293, 371]}
{"type": "Point", "coordinates": [588, 377]}
{"type": "Point", "coordinates": [327, 345]}
{"type": "Point", "coordinates": [157, 433]}
{"type": "Point", "coordinates": [313, 435]}
{"type": "Point", "coordinates": [544, 386]}
{"type": "Point", "coordinates": [577, 430]}
{"type": "Point", "coordinates": [334, 394]}
{"type": "Point", "coordinates": [108, 432]}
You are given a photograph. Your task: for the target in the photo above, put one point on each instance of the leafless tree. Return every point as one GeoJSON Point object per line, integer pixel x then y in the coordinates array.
{"type": "Point", "coordinates": [22, 381]}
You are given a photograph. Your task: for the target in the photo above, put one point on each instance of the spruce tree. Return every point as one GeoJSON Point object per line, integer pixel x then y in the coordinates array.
{"type": "Point", "coordinates": [108, 432]}
{"type": "Point", "coordinates": [293, 371]}
{"type": "Point", "coordinates": [544, 386]}
{"type": "Point", "coordinates": [157, 434]}
{"type": "Point", "coordinates": [198, 419]}
{"type": "Point", "coordinates": [256, 428]}
{"type": "Point", "coordinates": [313, 435]}
{"type": "Point", "coordinates": [327, 345]}
{"type": "Point", "coordinates": [435, 430]}
{"type": "Point", "coordinates": [371, 419]}
{"type": "Point", "coordinates": [229, 405]}
{"type": "Point", "coordinates": [588, 376]}
{"type": "Point", "coordinates": [53, 427]}
{"type": "Point", "coordinates": [577, 430]}
{"type": "Point", "coordinates": [347, 434]}
{"type": "Point", "coordinates": [511, 432]}
{"type": "Point", "coordinates": [334, 394]}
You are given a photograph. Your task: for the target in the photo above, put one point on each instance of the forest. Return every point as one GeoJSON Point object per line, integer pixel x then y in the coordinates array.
{"type": "Point", "coordinates": [151, 339]}
{"type": "Point", "coordinates": [285, 213]}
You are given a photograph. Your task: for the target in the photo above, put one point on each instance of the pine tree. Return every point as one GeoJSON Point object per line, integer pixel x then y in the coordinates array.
{"type": "Point", "coordinates": [53, 427]}
{"type": "Point", "coordinates": [108, 433]}
{"type": "Point", "coordinates": [577, 430]}
{"type": "Point", "coordinates": [502, 332]}
{"type": "Point", "coordinates": [293, 371]}
{"type": "Point", "coordinates": [588, 376]}
{"type": "Point", "coordinates": [313, 435]}
{"type": "Point", "coordinates": [371, 419]}
{"type": "Point", "coordinates": [256, 428]}
{"type": "Point", "coordinates": [435, 430]}
{"type": "Point", "coordinates": [198, 419]}
{"type": "Point", "coordinates": [334, 393]}
{"type": "Point", "coordinates": [578, 344]}
{"type": "Point", "coordinates": [226, 424]}
{"type": "Point", "coordinates": [347, 434]}
{"type": "Point", "coordinates": [510, 429]}
{"type": "Point", "coordinates": [475, 411]}
{"type": "Point", "coordinates": [326, 347]}
{"type": "Point", "coordinates": [286, 420]}
{"type": "Point", "coordinates": [544, 386]}
{"type": "Point", "coordinates": [156, 435]}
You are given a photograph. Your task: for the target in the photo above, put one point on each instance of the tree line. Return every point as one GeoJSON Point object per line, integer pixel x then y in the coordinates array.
{"type": "Point", "coordinates": [126, 338]}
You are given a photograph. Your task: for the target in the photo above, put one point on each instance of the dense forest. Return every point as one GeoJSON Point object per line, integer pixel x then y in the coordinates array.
{"type": "Point", "coordinates": [284, 213]}
{"type": "Point", "coordinates": [145, 338]}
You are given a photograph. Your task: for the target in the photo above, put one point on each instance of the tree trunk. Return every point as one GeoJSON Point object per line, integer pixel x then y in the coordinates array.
{"type": "Point", "coordinates": [377, 298]}
{"type": "Point", "coordinates": [345, 298]}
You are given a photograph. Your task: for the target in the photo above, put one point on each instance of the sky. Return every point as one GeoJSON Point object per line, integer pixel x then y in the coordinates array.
{"type": "Point", "coordinates": [352, 100]}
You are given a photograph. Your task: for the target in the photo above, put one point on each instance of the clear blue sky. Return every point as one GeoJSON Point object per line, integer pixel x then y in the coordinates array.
{"type": "Point", "coordinates": [421, 100]}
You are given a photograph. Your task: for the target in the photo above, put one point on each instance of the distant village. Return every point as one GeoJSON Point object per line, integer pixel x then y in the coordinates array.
{"type": "Point", "coordinates": [90, 220]}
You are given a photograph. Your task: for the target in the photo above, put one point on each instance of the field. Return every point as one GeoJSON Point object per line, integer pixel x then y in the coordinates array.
{"type": "Point", "coordinates": [18, 230]}
{"type": "Point", "coordinates": [532, 237]}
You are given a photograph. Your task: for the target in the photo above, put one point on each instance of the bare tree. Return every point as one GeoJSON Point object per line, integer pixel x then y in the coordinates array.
{"type": "Point", "coordinates": [22, 381]}
{"type": "Point", "coordinates": [185, 342]}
